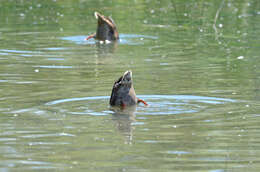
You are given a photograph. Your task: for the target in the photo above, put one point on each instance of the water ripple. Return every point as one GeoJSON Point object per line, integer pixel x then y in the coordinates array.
{"type": "Point", "coordinates": [129, 39]}
{"type": "Point", "coordinates": [158, 104]}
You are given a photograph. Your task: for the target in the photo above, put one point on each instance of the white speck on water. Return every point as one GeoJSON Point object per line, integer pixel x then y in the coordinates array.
{"type": "Point", "coordinates": [75, 163]}
{"type": "Point", "coordinates": [201, 30]}
{"type": "Point", "coordinates": [145, 21]}
{"type": "Point", "coordinates": [22, 14]}
{"type": "Point", "coordinates": [244, 34]}
{"type": "Point", "coordinates": [220, 25]}
{"type": "Point", "coordinates": [185, 14]}
{"type": "Point", "coordinates": [247, 105]}
{"type": "Point", "coordinates": [61, 29]}
{"type": "Point", "coordinates": [30, 8]}
{"type": "Point", "coordinates": [148, 60]}
{"type": "Point", "coordinates": [229, 4]}
{"type": "Point", "coordinates": [240, 57]}
{"type": "Point", "coordinates": [36, 70]}
{"type": "Point", "coordinates": [152, 11]}
{"type": "Point", "coordinates": [39, 5]}
{"type": "Point", "coordinates": [164, 64]}
{"type": "Point", "coordinates": [141, 39]}
{"type": "Point", "coordinates": [238, 31]}
{"type": "Point", "coordinates": [174, 126]}
{"type": "Point", "coordinates": [107, 41]}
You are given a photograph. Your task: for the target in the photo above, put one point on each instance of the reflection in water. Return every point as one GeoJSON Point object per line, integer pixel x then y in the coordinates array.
{"type": "Point", "coordinates": [123, 119]}
{"type": "Point", "coordinates": [106, 48]}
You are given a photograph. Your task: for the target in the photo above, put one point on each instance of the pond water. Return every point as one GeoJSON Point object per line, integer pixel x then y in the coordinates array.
{"type": "Point", "coordinates": [196, 63]}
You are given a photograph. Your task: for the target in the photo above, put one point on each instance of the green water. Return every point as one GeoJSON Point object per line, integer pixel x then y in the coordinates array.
{"type": "Point", "coordinates": [196, 63]}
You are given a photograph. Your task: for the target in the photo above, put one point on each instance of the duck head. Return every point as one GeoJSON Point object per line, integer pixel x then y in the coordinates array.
{"type": "Point", "coordinates": [106, 29]}
{"type": "Point", "coordinates": [123, 93]}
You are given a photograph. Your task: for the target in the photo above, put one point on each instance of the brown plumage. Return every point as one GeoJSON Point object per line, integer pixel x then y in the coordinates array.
{"type": "Point", "coordinates": [123, 93]}
{"type": "Point", "coordinates": [106, 29]}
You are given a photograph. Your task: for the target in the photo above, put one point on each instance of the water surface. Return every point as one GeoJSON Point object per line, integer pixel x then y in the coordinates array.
{"type": "Point", "coordinates": [195, 63]}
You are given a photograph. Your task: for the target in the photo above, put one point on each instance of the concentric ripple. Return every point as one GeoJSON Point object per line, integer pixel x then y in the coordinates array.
{"type": "Point", "coordinates": [130, 39]}
{"type": "Point", "coordinates": [158, 104]}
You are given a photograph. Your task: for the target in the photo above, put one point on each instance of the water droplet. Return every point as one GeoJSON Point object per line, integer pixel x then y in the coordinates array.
{"type": "Point", "coordinates": [240, 57]}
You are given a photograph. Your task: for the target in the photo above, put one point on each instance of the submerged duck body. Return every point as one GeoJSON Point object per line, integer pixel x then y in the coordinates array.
{"type": "Point", "coordinates": [106, 29]}
{"type": "Point", "coordinates": [123, 93]}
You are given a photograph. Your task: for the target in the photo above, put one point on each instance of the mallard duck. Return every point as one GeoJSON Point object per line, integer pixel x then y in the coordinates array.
{"type": "Point", "coordinates": [106, 29]}
{"type": "Point", "coordinates": [123, 93]}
